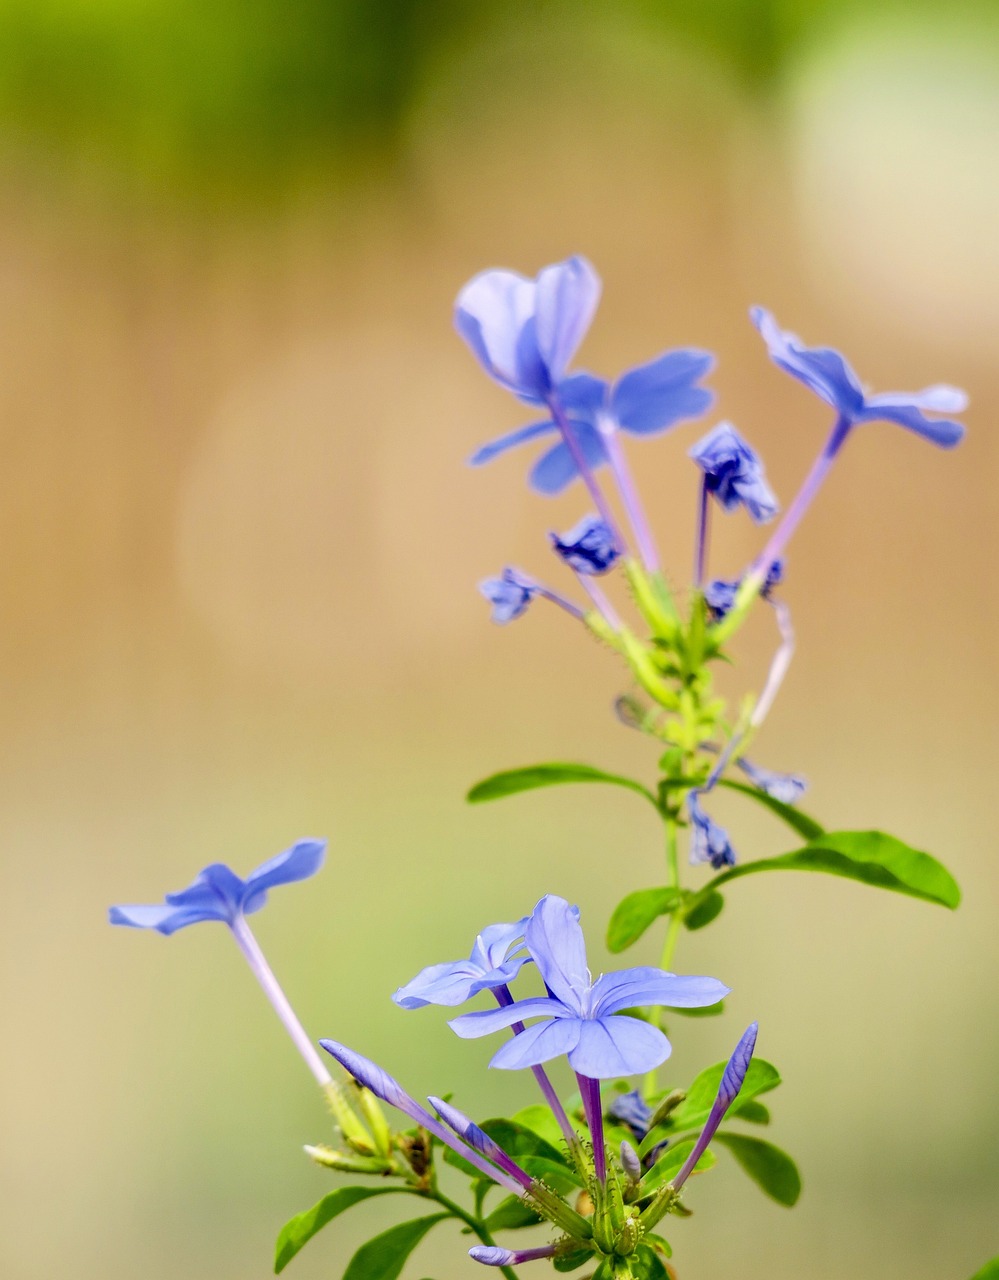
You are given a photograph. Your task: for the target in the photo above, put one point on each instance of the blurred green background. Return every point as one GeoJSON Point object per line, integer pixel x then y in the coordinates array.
{"type": "Point", "coordinates": [240, 554]}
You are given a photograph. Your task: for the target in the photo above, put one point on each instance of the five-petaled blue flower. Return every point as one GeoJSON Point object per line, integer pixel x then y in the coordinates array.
{"type": "Point", "coordinates": [581, 1018]}
{"type": "Point", "coordinates": [489, 966]}
{"type": "Point", "coordinates": [632, 1110]}
{"type": "Point", "coordinates": [709, 842]}
{"type": "Point", "coordinates": [831, 377]}
{"type": "Point", "coordinates": [588, 547]}
{"type": "Point", "coordinates": [733, 473]}
{"type": "Point", "coordinates": [219, 894]}
{"type": "Point", "coordinates": [524, 333]}
{"type": "Point", "coordinates": [509, 594]}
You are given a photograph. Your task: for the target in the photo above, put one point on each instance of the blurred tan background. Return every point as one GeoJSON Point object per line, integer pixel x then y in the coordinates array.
{"type": "Point", "coordinates": [241, 546]}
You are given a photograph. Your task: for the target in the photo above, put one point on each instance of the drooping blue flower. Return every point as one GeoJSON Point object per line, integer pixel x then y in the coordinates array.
{"type": "Point", "coordinates": [581, 1018]}
{"type": "Point", "coordinates": [524, 332]}
{"type": "Point", "coordinates": [830, 376]}
{"type": "Point", "coordinates": [631, 1110]}
{"type": "Point", "coordinates": [709, 842]}
{"type": "Point", "coordinates": [509, 594]}
{"type": "Point", "coordinates": [589, 546]}
{"type": "Point", "coordinates": [646, 400]}
{"type": "Point", "coordinates": [489, 966]}
{"type": "Point", "coordinates": [786, 787]}
{"type": "Point", "coordinates": [733, 473]}
{"type": "Point", "coordinates": [219, 894]}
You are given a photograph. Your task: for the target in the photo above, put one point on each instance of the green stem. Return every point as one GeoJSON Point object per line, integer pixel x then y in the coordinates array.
{"type": "Point", "coordinates": [476, 1224]}
{"type": "Point", "coordinates": [675, 919]}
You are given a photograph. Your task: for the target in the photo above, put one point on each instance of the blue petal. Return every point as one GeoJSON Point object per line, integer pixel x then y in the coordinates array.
{"type": "Point", "coordinates": [510, 594]}
{"type": "Point", "coordinates": [557, 468]}
{"type": "Point", "coordinates": [299, 862]}
{"type": "Point", "coordinates": [632, 988]}
{"type": "Point", "coordinates": [821, 369]}
{"type": "Point", "coordinates": [567, 297]}
{"type": "Point", "coordinates": [470, 1026]}
{"type": "Point", "coordinates": [486, 453]}
{"type": "Point", "coordinates": [618, 1047]}
{"type": "Point", "coordinates": [897, 407]}
{"type": "Point", "coordinates": [494, 313]}
{"type": "Point", "coordinates": [493, 943]}
{"type": "Point", "coordinates": [447, 984]}
{"type": "Point", "coordinates": [555, 940]}
{"type": "Point", "coordinates": [165, 920]}
{"type": "Point", "coordinates": [537, 1044]}
{"type": "Point", "coordinates": [583, 395]}
{"type": "Point", "coordinates": [658, 394]}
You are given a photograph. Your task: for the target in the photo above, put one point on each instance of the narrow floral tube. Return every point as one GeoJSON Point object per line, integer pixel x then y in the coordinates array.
{"type": "Point", "coordinates": [731, 1082]}
{"type": "Point", "coordinates": [491, 1255]}
{"type": "Point", "coordinates": [470, 1132]}
{"type": "Point", "coordinates": [590, 1090]}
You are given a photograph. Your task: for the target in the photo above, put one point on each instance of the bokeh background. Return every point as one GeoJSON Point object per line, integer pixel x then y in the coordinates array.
{"type": "Point", "coordinates": [240, 549]}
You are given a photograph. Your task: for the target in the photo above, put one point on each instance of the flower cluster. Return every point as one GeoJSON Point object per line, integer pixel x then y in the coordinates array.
{"type": "Point", "coordinates": [525, 334]}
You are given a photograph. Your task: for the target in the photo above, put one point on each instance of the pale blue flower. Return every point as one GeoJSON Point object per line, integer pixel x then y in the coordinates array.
{"type": "Point", "coordinates": [588, 547]}
{"type": "Point", "coordinates": [490, 965]}
{"type": "Point", "coordinates": [733, 473]}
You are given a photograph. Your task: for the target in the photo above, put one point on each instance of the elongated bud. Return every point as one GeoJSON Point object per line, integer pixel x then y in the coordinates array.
{"type": "Point", "coordinates": [330, 1158]}
{"type": "Point", "coordinates": [731, 1082]}
{"type": "Point", "coordinates": [630, 1162]}
{"type": "Point", "coordinates": [479, 1139]}
{"type": "Point", "coordinates": [666, 1108]}
{"type": "Point", "coordinates": [491, 1255]}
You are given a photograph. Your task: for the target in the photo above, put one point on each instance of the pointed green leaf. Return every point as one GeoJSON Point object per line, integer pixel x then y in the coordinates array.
{"type": "Point", "coordinates": [512, 781]}
{"type": "Point", "coordinates": [647, 1265]}
{"type": "Point", "coordinates": [752, 1112]}
{"type": "Point", "coordinates": [868, 856]}
{"type": "Point", "coordinates": [634, 913]}
{"type": "Point", "coordinates": [537, 1157]}
{"type": "Point", "coordinates": [789, 813]}
{"type": "Point", "coordinates": [511, 1213]}
{"type": "Point", "coordinates": [989, 1272]}
{"type": "Point", "coordinates": [761, 1077]}
{"type": "Point", "coordinates": [572, 1259]}
{"type": "Point", "coordinates": [384, 1257]}
{"type": "Point", "coordinates": [706, 909]}
{"type": "Point", "coordinates": [298, 1231]}
{"type": "Point", "coordinates": [539, 1119]}
{"type": "Point", "coordinates": [670, 1163]}
{"type": "Point", "coordinates": [771, 1169]}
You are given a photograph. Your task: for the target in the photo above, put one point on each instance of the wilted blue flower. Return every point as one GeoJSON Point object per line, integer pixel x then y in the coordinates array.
{"type": "Point", "coordinates": [786, 787]}
{"type": "Point", "coordinates": [646, 400]}
{"type": "Point", "coordinates": [509, 594]}
{"type": "Point", "coordinates": [709, 842]}
{"type": "Point", "coordinates": [728, 1090]}
{"type": "Point", "coordinates": [219, 894]}
{"type": "Point", "coordinates": [583, 1019]}
{"type": "Point", "coordinates": [720, 594]}
{"type": "Point", "coordinates": [489, 966]}
{"type": "Point", "coordinates": [830, 376]}
{"type": "Point", "coordinates": [524, 332]}
{"type": "Point", "coordinates": [733, 473]}
{"type": "Point", "coordinates": [588, 547]}
{"type": "Point", "coordinates": [632, 1110]}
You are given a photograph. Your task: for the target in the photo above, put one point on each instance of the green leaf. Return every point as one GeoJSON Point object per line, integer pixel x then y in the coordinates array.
{"type": "Point", "coordinates": [989, 1272]}
{"type": "Point", "coordinates": [512, 781]}
{"type": "Point", "coordinates": [510, 1214]}
{"type": "Point", "coordinates": [384, 1257]}
{"type": "Point", "coordinates": [868, 856]}
{"type": "Point", "coordinates": [539, 1158]}
{"type": "Point", "coordinates": [572, 1259]}
{"type": "Point", "coordinates": [298, 1231]}
{"type": "Point", "coordinates": [539, 1119]}
{"type": "Point", "coordinates": [634, 913]}
{"type": "Point", "coordinates": [771, 1169]}
{"type": "Point", "coordinates": [647, 1265]}
{"type": "Point", "coordinates": [705, 910]}
{"type": "Point", "coordinates": [752, 1111]}
{"type": "Point", "coordinates": [670, 1163]}
{"type": "Point", "coordinates": [761, 1077]}
{"type": "Point", "coordinates": [791, 814]}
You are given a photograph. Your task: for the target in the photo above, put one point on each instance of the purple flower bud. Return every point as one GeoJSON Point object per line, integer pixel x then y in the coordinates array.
{"type": "Point", "coordinates": [509, 594]}
{"type": "Point", "coordinates": [734, 473]}
{"type": "Point", "coordinates": [719, 596]}
{"type": "Point", "coordinates": [630, 1162]}
{"type": "Point", "coordinates": [479, 1140]}
{"type": "Point", "coordinates": [709, 842]}
{"type": "Point", "coordinates": [788, 788]}
{"type": "Point", "coordinates": [589, 547]}
{"type": "Point", "coordinates": [492, 1255]}
{"type": "Point", "coordinates": [731, 1082]}
{"type": "Point", "coordinates": [632, 1110]}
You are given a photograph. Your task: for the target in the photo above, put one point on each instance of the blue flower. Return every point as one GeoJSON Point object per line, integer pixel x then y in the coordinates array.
{"type": "Point", "coordinates": [830, 376]}
{"type": "Point", "coordinates": [632, 1110]}
{"type": "Point", "coordinates": [734, 473]}
{"type": "Point", "coordinates": [709, 842]}
{"type": "Point", "coordinates": [720, 594]}
{"type": "Point", "coordinates": [524, 332]}
{"type": "Point", "coordinates": [509, 594]}
{"type": "Point", "coordinates": [489, 966]}
{"type": "Point", "coordinates": [219, 894]}
{"type": "Point", "coordinates": [581, 1018]}
{"type": "Point", "coordinates": [646, 400]}
{"type": "Point", "coordinates": [588, 547]}
{"type": "Point", "coordinates": [788, 788]}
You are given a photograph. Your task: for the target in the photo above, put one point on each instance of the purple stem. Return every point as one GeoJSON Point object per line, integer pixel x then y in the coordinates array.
{"type": "Point", "coordinates": [504, 998]}
{"type": "Point", "coordinates": [601, 602]}
{"type": "Point", "coordinates": [701, 548]}
{"type": "Point", "coordinates": [561, 601]}
{"type": "Point", "coordinates": [629, 493]}
{"type": "Point", "coordinates": [262, 971]}
{"type": "Point", "coordinates": [731, 1082]}
{"type": "Point", "coordinates": [584, 469]}
{"type": "Point", "coordinates": [590, 1089]}
{"type": "Point", "coordinates": [792, 517]}
{"type": "Point", "coordinates": [477, 1138]}
{"type": "Point", "coordinates": [779, 666]}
